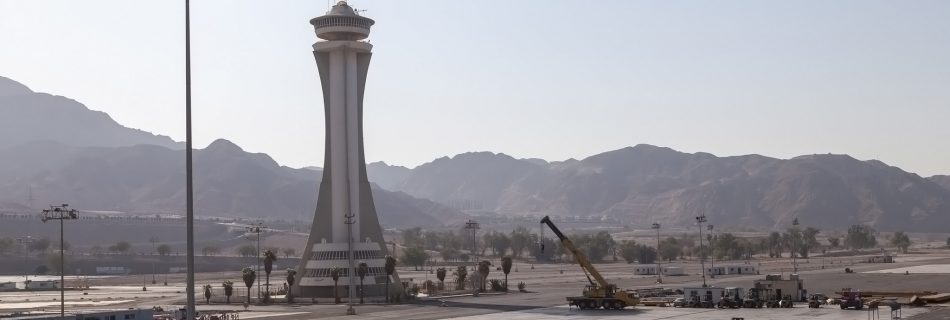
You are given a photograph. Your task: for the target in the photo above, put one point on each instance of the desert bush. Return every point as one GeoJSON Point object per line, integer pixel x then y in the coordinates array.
{"type": "Point", "coordinates": [497, 285]}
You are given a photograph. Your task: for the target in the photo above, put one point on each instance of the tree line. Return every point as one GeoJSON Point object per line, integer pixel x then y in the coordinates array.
{"type": "Point", "coordinates": [521, 243]}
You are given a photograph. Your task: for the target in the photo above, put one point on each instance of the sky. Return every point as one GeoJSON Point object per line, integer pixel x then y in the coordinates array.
{"type": "Point", "coordinates": [532, 79]}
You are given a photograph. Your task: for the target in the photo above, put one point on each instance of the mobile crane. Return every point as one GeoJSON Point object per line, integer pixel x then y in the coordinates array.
{"type": "Point", "coordinates": [599, 293]}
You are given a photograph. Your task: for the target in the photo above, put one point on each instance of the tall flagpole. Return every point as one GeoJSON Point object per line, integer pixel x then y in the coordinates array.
{"type": "Point", "coordinates": [190, 204]}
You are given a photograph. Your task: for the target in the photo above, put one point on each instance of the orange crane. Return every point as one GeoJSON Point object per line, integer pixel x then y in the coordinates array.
{"type": "Point", "coordinates": [599, 293]}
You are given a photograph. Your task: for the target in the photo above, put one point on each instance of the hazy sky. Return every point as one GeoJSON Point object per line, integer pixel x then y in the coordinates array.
{"type": "Point", "coordinates": [546, 79]}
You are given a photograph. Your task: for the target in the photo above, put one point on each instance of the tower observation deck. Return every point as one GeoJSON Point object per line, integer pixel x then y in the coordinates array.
{"type": "Point", "coordinates": [342, 22]}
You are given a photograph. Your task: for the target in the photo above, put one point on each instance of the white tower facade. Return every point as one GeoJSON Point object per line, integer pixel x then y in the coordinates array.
{"type": "Point", "coordinates": [345, 219]}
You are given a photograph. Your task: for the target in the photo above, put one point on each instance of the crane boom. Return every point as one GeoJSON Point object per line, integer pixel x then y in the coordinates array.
{"type": "Point", "coordinates": [580, 256]}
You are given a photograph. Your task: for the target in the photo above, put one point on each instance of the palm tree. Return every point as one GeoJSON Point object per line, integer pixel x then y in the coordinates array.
{"type": "Point", "coordinates": [335, 274]}
{"type": "Point", "coordinates": [248, 275]}
{"type": "Point", "coordinates": [228, 290]}
{"type": "Point", "coordinates": [440, 273]}
{"type": "Point", "coordinates": [461, 273]}
{"type": "Point", "coordinates": [269, 258]}
{"type": "Point", "coordinates": [291, 276]}
{"type": "Point", "coordinates": [506, 268]}
{"type": "Point", "coordinates": [483, 269]}
{"type": "Point", "coordinates": [390, 269]}
{"type": "Point", "coordinates": [361, 270]}
{"type": "Point", "coordinates": [208, 293]}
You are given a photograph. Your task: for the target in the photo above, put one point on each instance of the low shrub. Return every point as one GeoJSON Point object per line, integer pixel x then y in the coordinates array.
{"type": "Point", "coordinates": [497, 285]}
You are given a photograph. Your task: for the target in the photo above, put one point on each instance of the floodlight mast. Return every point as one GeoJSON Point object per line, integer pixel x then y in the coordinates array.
{"type": "Point", "coordinates": [189, 181]}
{"type": "Point", "coordinates": [659, 271]}
{"type": "Point", "coordinates": [700, 220]}
{"type": "Point", "coordinates": [61, 213]}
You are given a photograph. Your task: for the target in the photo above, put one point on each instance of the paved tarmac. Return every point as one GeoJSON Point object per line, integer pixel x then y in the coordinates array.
{"type": "Point", "coordinates": [548, 285]}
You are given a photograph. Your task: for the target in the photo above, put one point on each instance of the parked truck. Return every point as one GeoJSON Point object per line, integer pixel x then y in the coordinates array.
{"type": "Point", "coordinates": [851, 298]}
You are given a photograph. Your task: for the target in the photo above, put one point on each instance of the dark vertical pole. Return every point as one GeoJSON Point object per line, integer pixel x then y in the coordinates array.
{"type": "Point", "coordinates": [258, 264]}
{"type": "Point", "coordinates": [62, 273]}
{"type": "Point", "coordinates": [702, 259]}
{"type": "Point", "coordinates": [659, 269]}
{"type": "Point", "coordinates": [190, 205]}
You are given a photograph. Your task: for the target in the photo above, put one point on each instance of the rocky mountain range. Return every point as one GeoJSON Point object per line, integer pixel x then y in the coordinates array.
{"type": "Point", "coordinates": [106, 166]}
{"type": "Point", "coordinates": [101, 165]}
{"type": "Point", "coordinates": [645, 183]}
{"type": "Point", "coordinates": [941, 180]}
{"type": "Point", "coordinates": [27, 116]}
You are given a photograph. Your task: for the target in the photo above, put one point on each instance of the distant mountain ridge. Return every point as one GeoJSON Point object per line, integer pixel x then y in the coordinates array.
{"type": "Point", "coordinates": [645, 183]}
{"type": "Point", "coordinates": [103, 165]}
{"type": "Point", "coordinates": [942, 180]}
{"type": "Point", "coordinates": [98, 164]}
{"type": "Point", "coordinates": [27, 116]}
{"type": "Point", "coordinates": [229, 182]}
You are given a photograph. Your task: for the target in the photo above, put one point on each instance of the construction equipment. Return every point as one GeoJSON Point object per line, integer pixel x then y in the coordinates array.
{"type": "Point", "coordinates": [699, 302]}
{"type": "Point", "coordinates": [755, 298]}
{"type": "Point", "coordinates": [729, 302]}
{"type": "Point", "coordinates": [851, 298]}
{"type": "Point", "coordinates": [599, 293]}
{"type": "Point", "coordinates": [732, 298]}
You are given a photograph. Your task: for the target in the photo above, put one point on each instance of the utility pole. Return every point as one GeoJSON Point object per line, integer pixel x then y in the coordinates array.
{"type": "Point", "coordinates": [425, 263]}
{"type": "Point", "coordinates": [795, 247]}
{"type": "Point", "coordinates": [712, 257]}
{"type": "Point", "coordinates": [61, 213]}
{"type": "Point", "coordinates": [659, 271]}
{"type": "Point", "coordinates": [26, 241]}
{"type": "Point", "coordinates": [29, 198]}
{"type": "Point", "coordinates": [702, 260]}
{"type": "Point", "coordinates": [189, 181]}
{"type": "Point", "coordinates": [258, 229]}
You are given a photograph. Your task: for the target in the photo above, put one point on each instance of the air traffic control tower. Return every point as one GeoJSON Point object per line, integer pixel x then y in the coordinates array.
{"type": "Point", "coordinates": [345, 220]}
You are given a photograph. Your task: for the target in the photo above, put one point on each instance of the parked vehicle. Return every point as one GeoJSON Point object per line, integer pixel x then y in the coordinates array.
{"type": "Point", "coordinates": [851, 298]}
{"type": "Point", "coordinates": [728, 302]}
{"type": "Point", "coordinates": [679, 303]}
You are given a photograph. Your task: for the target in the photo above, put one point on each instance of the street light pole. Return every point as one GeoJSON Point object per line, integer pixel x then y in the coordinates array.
{"type": "Point", "coordinates": [659, 271]}
{"type": "Point", "coordinates": [61, 213]}
{"type": "Point", "coordinates": [702, 260]}
{"type": "Point", "coordinates": [257, 230]}
{"type": "Point", "coordinates": [350, 221]}
{"type": "Point", "coordinates": [794, 247]}
{"type": "Point", "coordinates": [712, 257]}
{"type": "Point", "coordinates": [473, 225]}
{"type": "Point", "coordinates": [189, 179]}
{"type": "Point", "coordinates": [425, 263]}
{"type": "Point", "coordinates": [26, 241]}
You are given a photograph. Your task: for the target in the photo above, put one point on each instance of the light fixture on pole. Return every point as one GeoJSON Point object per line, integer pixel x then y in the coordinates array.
{"type": "Point", "coordinates": [702, 260]}
{"type": "Point", "coordinates": [61, 213]}
{"type": "Point", "coordinates": [659, 271]}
